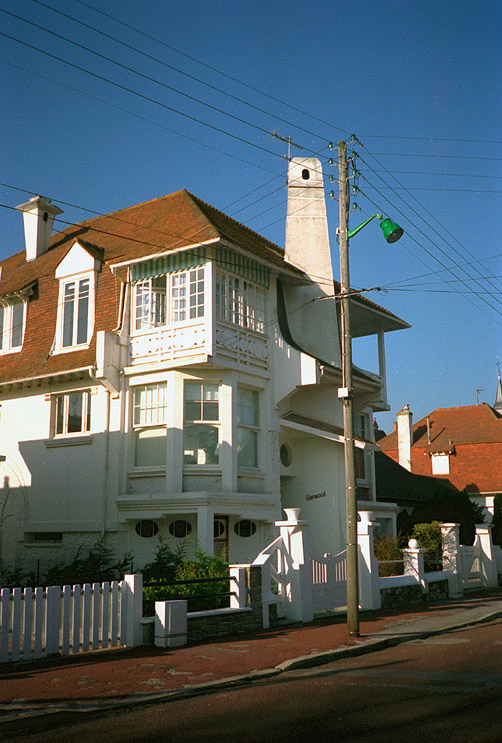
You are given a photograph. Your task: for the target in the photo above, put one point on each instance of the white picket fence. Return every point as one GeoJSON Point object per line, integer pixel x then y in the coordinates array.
{"type": "Point", "coordinates": [329, 581]}
{"type": "Point", "coordinates": [40, 622]}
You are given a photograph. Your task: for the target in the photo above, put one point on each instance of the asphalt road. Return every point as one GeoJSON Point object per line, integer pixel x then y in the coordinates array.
{"type": "Point", "coordinates": [445, 688]}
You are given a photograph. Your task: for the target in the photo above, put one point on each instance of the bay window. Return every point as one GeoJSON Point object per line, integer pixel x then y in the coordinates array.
{"type": "Point", "coordinates": [240, 302]}
{"type": "Point", "coordinates": [149, 424]}
{"type": "Point", "coordinates": [201, 423]}
{"type": "Point", "coordinates": [169, 299]}
{"type": "Point", "coordinates": [247, 427]}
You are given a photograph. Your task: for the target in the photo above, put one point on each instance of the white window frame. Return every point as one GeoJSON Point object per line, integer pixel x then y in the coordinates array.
{"type": "Point", "coordinates": [63, 399]}
{"type": "Point", "coordinates": [184, 299]}
{"type": "Point", "coordinates": [212, 449]}
{"type": "Point", "coordinates": [243, 423]}
{"type": "Point", "coordinates": [149, 417]}
{"type": "Point", "coordinates": [7, 326]}
{"type": "Point", "coordinates": [239, 302]}
{"type": "Point", "coordinates": [78, 298]}
{"type": "Point", "coordinates": [440, 463]}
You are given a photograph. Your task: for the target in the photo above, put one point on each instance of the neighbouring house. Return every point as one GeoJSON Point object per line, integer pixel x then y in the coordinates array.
{"type": "Point", "coordinates": [460, 446]}
{"type": "Point", "coordinates": [166, 371]}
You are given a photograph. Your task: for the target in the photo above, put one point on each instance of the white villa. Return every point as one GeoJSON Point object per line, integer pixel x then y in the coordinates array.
{"type": "Point", "coordinates": [164, 370]}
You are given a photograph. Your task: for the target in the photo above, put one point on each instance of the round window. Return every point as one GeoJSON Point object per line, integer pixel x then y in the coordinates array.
{"type": "Point", "coordinates": [180, 528]}
{"type": "Point", "coordinates": [305, 174]}
{"type": "Point", "coordinates": [147, 529]}
{"type": "Point", "coordinates": [286, 455]}
{"type": "Point", "coordinates": [219, 528]}
{"type": "Point", "coordinates": [245, 528]}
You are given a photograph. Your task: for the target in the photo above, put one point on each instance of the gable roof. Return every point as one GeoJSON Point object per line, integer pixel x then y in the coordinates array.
{"type": "Point", "coordinates": [470, 424]}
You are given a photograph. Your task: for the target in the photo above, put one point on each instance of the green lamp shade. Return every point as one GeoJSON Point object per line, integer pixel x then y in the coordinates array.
{"type": "Point", "coordinates": [391, 231]}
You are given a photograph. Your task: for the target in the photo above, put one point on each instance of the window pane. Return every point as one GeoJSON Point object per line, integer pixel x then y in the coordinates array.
{"type": "Point", "coordinates": [247, 447]}
{"type": "Point", "coordinates": [68, 311]}
{"type": "Point", "coordinates": [211, 391]}
{"type": "Point", "coordinates": [83, 310]}
{"type": "Point", "coordinates": [149, 405]}
{"type": "Point", "coordinates": [60, 414]}
{"type": "Point", "coordinates": [150, 447]}
{"type": "Point", "coordinates": [2, 314]}
{"type": "Point", "coordinates": [17, 324]}
{"type": "Point", "coordinates": [75, 412]}
{"type": "Point", "coordinates": [201, 444]}
{"type": "Point", "coordinates": [247, 407]}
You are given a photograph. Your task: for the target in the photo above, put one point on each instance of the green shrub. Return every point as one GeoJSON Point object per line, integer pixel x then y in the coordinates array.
{"type": "Point", "coordinates": [97, 565]}
{"type": "Point", "coordinates": [180, 568]}
{"type": "Point", "coordinates": [428, 537]}
{"type": "Point", "coordinates": [387, 548]}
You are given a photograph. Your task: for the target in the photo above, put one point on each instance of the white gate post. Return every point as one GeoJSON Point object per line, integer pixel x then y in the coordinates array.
{"type": "Point", "coordinates": [369, 588]}
{"type": "Point", "coordinates": [134, 610]}
{"type": "Point", "coordinates": [413, 560]}
{"type": "Point", "coordinates": [451, 559]}
{"type": "Point", "coordinates": [295, 536]}
{"type": "Point", "coordinates": [487, 560]}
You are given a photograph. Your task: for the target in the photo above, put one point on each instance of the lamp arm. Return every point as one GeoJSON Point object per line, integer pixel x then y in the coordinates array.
{"type": "Point", "coordinates": [351, 233]}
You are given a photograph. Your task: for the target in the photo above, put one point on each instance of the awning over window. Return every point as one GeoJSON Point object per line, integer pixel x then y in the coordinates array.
{"type": "Point", "coordinates": [239, 264]}
{"type": "Point", "coordinates": [168, 264]}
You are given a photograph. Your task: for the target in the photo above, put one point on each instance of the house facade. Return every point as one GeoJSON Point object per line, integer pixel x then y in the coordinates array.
{"type": "Point", "coordinates": [166, 371]}
{"type": "Point", "coordinates": [461, 445]}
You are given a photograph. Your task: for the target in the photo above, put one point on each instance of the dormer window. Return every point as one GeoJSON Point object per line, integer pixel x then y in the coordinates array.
{"type": "Point", "coordinates": [12, 321]}
{"type": "Point", "coordinates": [77, 287]}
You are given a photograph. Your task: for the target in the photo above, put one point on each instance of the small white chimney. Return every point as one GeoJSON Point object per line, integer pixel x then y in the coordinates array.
{"type": "Point", "coordinates": [405, 436]}
{"type": "Point", "coordinates": [38, 218]}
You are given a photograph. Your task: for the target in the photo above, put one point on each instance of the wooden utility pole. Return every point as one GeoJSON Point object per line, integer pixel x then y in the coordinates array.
{"type": "Point", "coordinates": [346, 395]}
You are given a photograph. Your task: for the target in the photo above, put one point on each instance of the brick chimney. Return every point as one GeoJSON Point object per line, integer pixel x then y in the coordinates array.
{"type": "Point", "coordinates": [405, 436]}
{"type": "Point", "coordinates": [38, 218]}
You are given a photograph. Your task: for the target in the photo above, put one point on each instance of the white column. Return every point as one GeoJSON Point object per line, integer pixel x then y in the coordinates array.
{"type": "Point", "coordinates": [369, 588]}
{"type": "Point", "coordinates": [413, 559]}
{"type": "Point", "coordinates": [205, 529]}
{"type": "Point", "coordinates": [134, 610]}
{"type": "Point", "coordinates": [295, 537]}
{"type": "Point", "coordinates": [487, 560]}
{"type": "Point", "coordinates": [228, 436]}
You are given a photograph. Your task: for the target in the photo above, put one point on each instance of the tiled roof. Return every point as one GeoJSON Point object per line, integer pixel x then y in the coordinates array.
{"type": "Point", "coordinates": [161, 225]}
{"type": "Point", "coordinates": [471, 424]}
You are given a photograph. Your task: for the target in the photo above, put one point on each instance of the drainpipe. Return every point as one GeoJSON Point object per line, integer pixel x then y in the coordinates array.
{"type": "Point", "coordinates": [107, 460]}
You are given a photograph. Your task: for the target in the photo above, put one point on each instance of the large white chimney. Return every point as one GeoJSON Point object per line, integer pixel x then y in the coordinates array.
{"type": "Point", "coordinates": [405, 436]}
{"type": "Point", "coordinates": [38, 217]}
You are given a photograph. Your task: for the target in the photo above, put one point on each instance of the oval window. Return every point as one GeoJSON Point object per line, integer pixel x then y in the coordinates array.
{"type": "Point", "coordinates": [305, 174]}
{"type": "Point", "coordinates": [147, 529]}
{"type": "Point", "coordinates": [285, 455]}
{"type": "Point", "coordinates": [245, 528]}
{"type": "Point", "coordinates": [180, 528]}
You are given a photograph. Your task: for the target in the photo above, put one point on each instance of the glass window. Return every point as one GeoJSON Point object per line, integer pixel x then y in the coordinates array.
{"type": "Point", "coordinates": [180, 529]}
{"type": "Point", "coordinates": [247, 427]}
{"type": "Point", "coordinates": [182, 293]}
{"type": "Point", "coordinates": [149, 422]}
{"type": "Point", "coordinates": [201, 439]}
{"type": "Point", "coordinates": [12, 325]}
{"type": "Point", "coordinates": [72, 413]}
{"type": "Point", "coordinates": [240, 302]}
{"type": "Point", "coordinates": [245, 528]}
{"type": "Point", "coordinates": [146, 528]}
{"type": "Point", "coordinates": [75, 312]}
{"type": "Point", "coordinates": [440, 464]}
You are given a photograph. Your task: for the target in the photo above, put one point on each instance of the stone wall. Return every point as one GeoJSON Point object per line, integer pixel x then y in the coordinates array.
{"type": "Point", "coordinates": [412, 594]}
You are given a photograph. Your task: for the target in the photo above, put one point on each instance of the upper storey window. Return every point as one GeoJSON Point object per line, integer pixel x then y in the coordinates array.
{"type": "Point", "coordinates": [77, 288]}
{"type": "Point", "coordinates": [169, 300]}
{"type": "Point", "coordinates": [12, 321]}
{"type": "Point", "coordinates": [240, 302]}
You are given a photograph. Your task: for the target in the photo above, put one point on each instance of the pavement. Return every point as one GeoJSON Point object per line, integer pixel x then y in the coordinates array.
{"type": "Point", "coordinates": [104, 680]}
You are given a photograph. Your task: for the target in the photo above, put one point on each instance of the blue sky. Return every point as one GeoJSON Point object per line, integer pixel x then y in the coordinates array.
{"type": "Point", "coordinates": [417, 81]}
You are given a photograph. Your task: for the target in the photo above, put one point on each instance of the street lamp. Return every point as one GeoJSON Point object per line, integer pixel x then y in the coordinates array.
{"type": "Point", "coordinates": [392, 232]}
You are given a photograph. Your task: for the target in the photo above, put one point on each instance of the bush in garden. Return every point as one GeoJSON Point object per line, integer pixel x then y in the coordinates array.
{"type": "Point", "coordinates": [387, 548]}
{"type": "Point", "coordinates": [428, 537]}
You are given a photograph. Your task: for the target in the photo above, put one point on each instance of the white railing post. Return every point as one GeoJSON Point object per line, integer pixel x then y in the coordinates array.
{"type": "Point", "coordinates": [413, 560]}
{"type": "Point", "coordinates": [452, 559]}
{"type": "Point", "coordinates": [295, 537]}
{"type": "Point", "coordinates": [487, 561]}
{"type": "Point", "coordinates": [133, 596]}
{"type": "Point", "coordinates": [171, 624]}
{"type": "Point", "coordinates": [238, 586]}
{"type": "Point", "coordinates": [369, 588]}
{"type": "Point", "coordinates": [52, 614]}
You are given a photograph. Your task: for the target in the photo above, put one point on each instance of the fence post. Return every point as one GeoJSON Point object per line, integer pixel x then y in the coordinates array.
{"type": "Point", "coordinates": [238, 586]}
{"type": "Point", "coordinates": [413, 560]}
{"type": "Point", "coordinates": [134, 610]}
{"type": "Point", "coordinates": [487, 559]}
{"type": "Point", "coordinates": [171, 624]}
{"type": "Point", "coordinates": [295, 537]}
{"type": "Point", "coordinates": [369, 588]}
{"type": "Point", "coordinates": [451, 559]}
